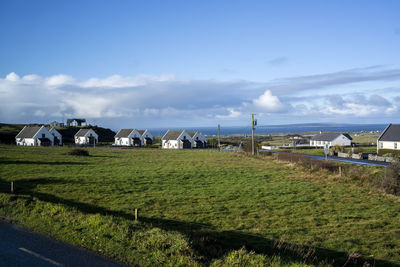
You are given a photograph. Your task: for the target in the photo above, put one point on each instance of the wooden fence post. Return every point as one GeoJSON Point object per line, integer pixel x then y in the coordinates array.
{"type": "Point", "coordinates": [340, 171]}
{"type": "Point", "coordinates": [136, 214]}
{"type": "Point", "coordinates": [12, 187]}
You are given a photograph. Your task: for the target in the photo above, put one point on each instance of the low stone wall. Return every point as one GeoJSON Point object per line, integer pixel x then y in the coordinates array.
{"type": "Point", "coordinates": [391, 159]}
{"type": "Point", "coordinates": [342, 155]}
{"type": "Point", "coordinates": [380, 158]}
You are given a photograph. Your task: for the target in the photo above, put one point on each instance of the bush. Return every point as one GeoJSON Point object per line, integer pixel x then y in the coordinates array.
{"type": "Point", "coordinates": [390, 181]}
{"type": "Point", "coordinates": [265, 153]}
{"type": "Point", "coordinates": [394, 153]}
{"type": "Point", "coordinates": [79, 152]}
{"type": "Point", "coordinates": [308, 162]}
{"type": "Point", "coordinates": [337, 149]}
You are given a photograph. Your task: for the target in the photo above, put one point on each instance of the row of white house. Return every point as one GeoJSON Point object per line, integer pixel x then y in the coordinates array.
{"type": "Point", "coordinates": [133, 137]}
{"type": "Point", "coordinates": [389, 139]}
{"type": "Point", "coordinates": [179, 139]}
{"type": "Point", "coordinates": [41, 136]}
{"type": "Point", "coordinates": [172, 139]}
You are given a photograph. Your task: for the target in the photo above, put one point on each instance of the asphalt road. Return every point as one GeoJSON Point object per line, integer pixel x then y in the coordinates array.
{"type": "Point", "coordinates": [347, 160]}
{"type": "Point", "coordinates": [19, 247]}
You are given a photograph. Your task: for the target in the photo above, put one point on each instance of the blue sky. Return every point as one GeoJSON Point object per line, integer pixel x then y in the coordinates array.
{"type": "Point", "coordinates": [199, 63]}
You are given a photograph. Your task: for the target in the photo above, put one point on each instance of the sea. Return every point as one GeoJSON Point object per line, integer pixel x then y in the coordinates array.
{"type": "Point", "coordinates": [274, 129]}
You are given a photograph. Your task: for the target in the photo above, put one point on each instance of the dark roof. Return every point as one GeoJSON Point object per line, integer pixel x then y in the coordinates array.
{"type": "Point", "coordinates": [328, 136]}
{"type": "Point", "coordinates": [141, 131]}
{"type": "Point", "coordinates": [348, 136]}
{"type": "Point", "coordinates": [28, 132]}
{"type": "Point", "coordinates": [172, 134]}
{"type": "Point", "coordinates": [391, 133]}
{"type": "Point", "coordinates": [124, 132]}
{"type": "Point", "coordinates": [82, 132]}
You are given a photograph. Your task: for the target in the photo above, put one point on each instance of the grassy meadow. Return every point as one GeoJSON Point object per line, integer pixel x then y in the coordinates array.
{"type": "Point", "coordinates": [198, 208]}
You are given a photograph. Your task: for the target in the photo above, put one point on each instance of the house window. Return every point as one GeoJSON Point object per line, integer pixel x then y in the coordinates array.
{"type": "Point", "coordinates": [43, 136]}
{"type": "Point", "coordinates": [395, 145]}
{"type": "Point", "coordinates": [381, 144]}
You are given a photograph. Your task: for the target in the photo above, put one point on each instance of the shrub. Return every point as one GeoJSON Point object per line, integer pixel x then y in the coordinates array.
{"type": "Point", "coordinates": [337, 149]}
{"type": "Point", "coordinates": [395, 153]}
{"type": "Point", "coordinates": [390, 181]}
{"type": "Point", "coordinates": [308, 162]}
{"type": "Point", "coordinates": [265, 153]}
{"type": "Point", "coordinates": [78, 152]}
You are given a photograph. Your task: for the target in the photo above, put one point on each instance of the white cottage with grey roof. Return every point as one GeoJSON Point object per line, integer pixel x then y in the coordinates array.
{"type": "Point", "coordinates": [128, 137]}
{"type": "Point", "coordinates": [199, 140]}
{"type": "Point", "coordinates": [176, 139]}
{"type": "Point", "coordinates": [389, 138]}
{"type": "Point", "coordinates": [57, 136]}
{"type": "Point", "coordinates": [331, 139]}
{"type": "Point", "coordinates": [34, 136]}
{"type": "Point", "coordinates": [147, 137]}
{"type": "Point", "coordinates": [86, 137]}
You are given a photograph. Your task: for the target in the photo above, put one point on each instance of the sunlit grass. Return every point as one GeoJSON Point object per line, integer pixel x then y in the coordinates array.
{"type": "Point", "coordinates": [181, 193]}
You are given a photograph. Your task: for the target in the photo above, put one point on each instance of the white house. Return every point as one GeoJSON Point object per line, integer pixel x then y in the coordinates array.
{"type": "Point", "coordinates": [199, 140]}
{"type": "Point", "coordinates": [76, 122]}
{"type": "Point", "coordinates": [34, 136]}
{"type": "Point", "coordinates": [86, 137]}
{"type": "Point", "coordinates": [128, 137]}
{"type": "Point", "coordinates": [389, 138]}
{"type": "Point", "coordinates": [57, 136]}
{"type": "Point", "coordinates": [177, 140]}
{"type": "Point", "coordinates": [147, 137]}
{"type": "Point", "coordinates": [331, 139]}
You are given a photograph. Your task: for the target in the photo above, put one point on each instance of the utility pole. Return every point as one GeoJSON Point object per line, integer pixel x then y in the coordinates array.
{"type": "Point", "coordinates": [253, 123]}
{"type": "Point", "coordinates": [219, 142]}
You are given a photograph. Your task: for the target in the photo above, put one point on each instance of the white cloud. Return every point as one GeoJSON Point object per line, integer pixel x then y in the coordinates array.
{"type": "Point", "coordinates": [13, 77]}
{"type": "Point", "coordinates": [231, 114]}
{"type": "Point", "coordinates": [59, 80]}
{"type": "Point", "coordinates": [163, 100]}
{"type": "Point", "coordinates": [268, 103]}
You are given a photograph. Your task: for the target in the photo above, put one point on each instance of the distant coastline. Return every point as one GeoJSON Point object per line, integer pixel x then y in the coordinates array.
{"type": "Point", "coordinates": [276, 129]}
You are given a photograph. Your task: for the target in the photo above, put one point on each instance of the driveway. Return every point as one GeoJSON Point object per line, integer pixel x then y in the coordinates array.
{"type": "Point", "coordinates": [19, 247]}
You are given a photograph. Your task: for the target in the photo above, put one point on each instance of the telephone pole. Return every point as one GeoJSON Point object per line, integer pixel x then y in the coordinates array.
{"type": "Point", "coordinates": [253, 123]}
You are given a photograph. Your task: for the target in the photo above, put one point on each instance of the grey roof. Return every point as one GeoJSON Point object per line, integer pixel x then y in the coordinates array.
{"type": "Point", "coordinates": [141, 131]}
{"type": "Point", "coordinates": [172, 134]}
{"type": "Point", "coordinates": [329, 136]}
{"type": "Point", "coordinates": [391, 133]}
{"type": "Point", "coordinates": [124, 132]}
{"type": "Point", "coordinates": [82, 132]}
{"type": "Point", "coordinates": [54, 129]}
{"type": "Point", "coordinates": [28, 132]}
{"type": "Point", "coordinates": [192, 133]}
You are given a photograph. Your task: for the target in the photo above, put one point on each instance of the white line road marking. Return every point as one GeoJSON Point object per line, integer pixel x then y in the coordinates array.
{"type": "Point", "coordinates": [40, 256]}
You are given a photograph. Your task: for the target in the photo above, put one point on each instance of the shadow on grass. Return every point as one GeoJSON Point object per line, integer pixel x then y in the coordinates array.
{"type": "Point", "coordinates": [2, 161]}
{"type": "Point", "coordinates": [208, 242]}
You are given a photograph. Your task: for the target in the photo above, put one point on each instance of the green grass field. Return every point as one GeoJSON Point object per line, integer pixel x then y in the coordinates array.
{"type": "Point", "coordinates": [196, 207]}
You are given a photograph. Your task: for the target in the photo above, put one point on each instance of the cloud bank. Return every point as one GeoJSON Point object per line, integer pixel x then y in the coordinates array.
{"type": "Point", "coordinates": [164, 100]}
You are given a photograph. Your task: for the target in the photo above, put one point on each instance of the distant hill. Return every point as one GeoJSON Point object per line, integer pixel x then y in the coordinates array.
{"type": "Point", "coordinates": [9, 131]}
